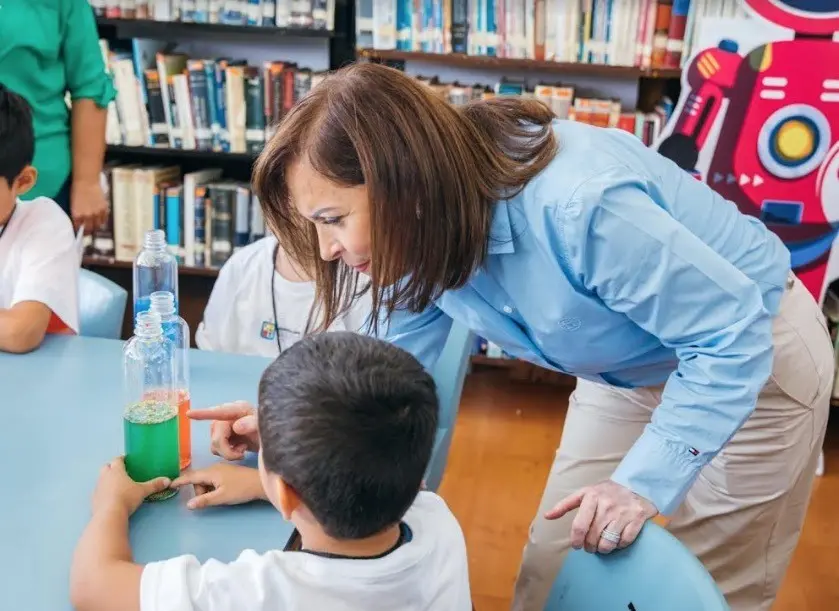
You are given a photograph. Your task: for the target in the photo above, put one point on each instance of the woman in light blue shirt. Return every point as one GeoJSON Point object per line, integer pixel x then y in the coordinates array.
{"type": "Point", "coordinates": [704, 366]}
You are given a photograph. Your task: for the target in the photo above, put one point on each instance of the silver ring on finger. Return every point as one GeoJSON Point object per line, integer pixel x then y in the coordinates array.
{"type": "Point", "coordinates": [611, 536]}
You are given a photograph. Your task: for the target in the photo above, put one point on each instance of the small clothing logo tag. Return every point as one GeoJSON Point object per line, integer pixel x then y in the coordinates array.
{"type": "Point", "coordinates": [693, 451]}
{"type": "Point", "coordinates": [269, 331]}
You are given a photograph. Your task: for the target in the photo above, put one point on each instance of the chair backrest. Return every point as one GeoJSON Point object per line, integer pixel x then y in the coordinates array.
{"type": "Point", "coordinates": [449, 374]}
{"type": "Point", "coordinates": [655, 573]}
{"type": "Point", "coordinates": [101, 306]}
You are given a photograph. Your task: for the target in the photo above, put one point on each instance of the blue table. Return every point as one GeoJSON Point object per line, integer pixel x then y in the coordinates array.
{"type": "Point", "coordinates": [61, 411]}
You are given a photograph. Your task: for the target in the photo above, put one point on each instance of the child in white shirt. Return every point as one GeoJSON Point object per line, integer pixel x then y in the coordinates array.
{"type": "Point", "coordinates": [39, 262]}
{"type": "Point", "coordinates": [260, 304]}
{"type": "Point", "coordinates": [346, 426]}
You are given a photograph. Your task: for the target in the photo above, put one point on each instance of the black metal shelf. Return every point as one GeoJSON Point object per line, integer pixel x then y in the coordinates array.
{"type": "Point", "coordinates": [514, 65]}
{"type": "Point", "coordinates": [116, 150]}
{"type": "Point", "coordinates": [177, 30]}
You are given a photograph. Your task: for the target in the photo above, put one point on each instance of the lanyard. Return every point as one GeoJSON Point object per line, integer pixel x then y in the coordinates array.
{"type": "Point", "coordinates": [273, 297]}
{"type": "Point", "coordinates": [8, 220]}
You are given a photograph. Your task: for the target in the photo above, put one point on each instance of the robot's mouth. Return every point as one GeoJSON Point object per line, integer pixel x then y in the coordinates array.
{"type": "Point", "coordinates": [815, 7]}
{"type": "Point", "coordinates": [804, 252]}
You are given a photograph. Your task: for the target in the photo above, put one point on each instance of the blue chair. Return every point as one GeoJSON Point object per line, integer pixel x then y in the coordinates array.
{"type": "Point", "coordinates": [449, 374]}
{"type": "Point", "coordinates": [101, 306]}
{"type": "Point", "coordinates": [655, 573]}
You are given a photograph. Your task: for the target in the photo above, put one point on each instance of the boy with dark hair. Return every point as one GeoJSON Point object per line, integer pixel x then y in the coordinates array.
{"type": "Point", "coordinates": [39, 262]}
{"type": "Point", "coordinates": [346, 429]}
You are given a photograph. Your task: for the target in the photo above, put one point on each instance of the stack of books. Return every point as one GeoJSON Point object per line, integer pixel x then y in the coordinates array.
{"type": "Point", "coordinates": [643, 33]}
{"type": "Point", "coordinates": [169, 100]}
{"type": "Point", "coordinates": [205, 216]}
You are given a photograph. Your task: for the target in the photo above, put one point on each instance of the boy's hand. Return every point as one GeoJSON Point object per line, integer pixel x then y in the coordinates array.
{"type": "Point", "coordinates": [233, 431]}
{"type": "Point", "coordinates": [222, 484]}
{"type": "Point", "coordinates": [116, 489]}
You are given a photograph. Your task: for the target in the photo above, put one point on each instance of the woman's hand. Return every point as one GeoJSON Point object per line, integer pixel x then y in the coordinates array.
{"type": "Point", "coordinates": [610, 516]}
{"type": "Point", "coordinates": [88, 205]}
{"type": "Point", "coordinates": [222, 484]}
{"type": "Point", "coordinates": [233, 431]}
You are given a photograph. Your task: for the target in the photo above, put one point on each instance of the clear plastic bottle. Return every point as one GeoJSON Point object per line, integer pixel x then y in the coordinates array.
{"type": "Point", "coordinates": [150, 417]}
{"type": "Point", "coordinates": [176, 330]}
{"type": "Point", "coordinates": [155, 269]}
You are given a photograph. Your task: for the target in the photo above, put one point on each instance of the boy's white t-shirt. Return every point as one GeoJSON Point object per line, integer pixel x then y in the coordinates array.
{"type": "Point", "coordinates": [427, 573]}
{"type": "Point", "coordinates": [239, 316]}
{"type": "Point", "coordinates": [39, 262]}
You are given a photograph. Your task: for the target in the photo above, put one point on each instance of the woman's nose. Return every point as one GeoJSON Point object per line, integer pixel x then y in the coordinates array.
{"type": "Point", "coordinates": [329, 250]}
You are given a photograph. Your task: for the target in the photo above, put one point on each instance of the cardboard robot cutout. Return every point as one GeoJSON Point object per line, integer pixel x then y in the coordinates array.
{"type": "Point", "coordinates": [761, 126]}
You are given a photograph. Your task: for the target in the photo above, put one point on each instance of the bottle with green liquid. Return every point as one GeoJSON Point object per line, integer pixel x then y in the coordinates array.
{"type": "Point", "coordinates": [150, 418]}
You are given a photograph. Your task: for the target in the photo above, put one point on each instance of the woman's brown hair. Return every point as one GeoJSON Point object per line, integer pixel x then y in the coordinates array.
{"type": "Point", "coordinates": [432, 171]}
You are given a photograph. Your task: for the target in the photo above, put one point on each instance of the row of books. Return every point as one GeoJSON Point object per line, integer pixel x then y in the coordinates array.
{"type": "Point", "coordinates": [205, 216]}
{"type": "Point", "coordinates": [306, 14]}
{"type": "Point", "coordinates": [565, 103]}
{"type": "Point", "coordinates": [169, 100]}
{"type": "Point", "coordinates": [643, 33]}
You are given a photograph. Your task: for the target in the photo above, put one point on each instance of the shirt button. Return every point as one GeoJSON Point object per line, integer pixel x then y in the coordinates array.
{"type": "Point", "coordinates": [507, 309]}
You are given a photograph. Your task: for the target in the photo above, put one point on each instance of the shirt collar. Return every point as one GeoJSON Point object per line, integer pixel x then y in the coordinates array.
{"type": "Point", "coordinates": [500, 231]}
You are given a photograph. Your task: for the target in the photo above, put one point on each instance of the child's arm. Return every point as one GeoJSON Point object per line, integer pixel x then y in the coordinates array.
{"type": "Point", "coordinates": [103, 576]}
{"type": "Point", "coordinates": [223, 484]}
{"type": "Point", "coordinates": [22, 327]}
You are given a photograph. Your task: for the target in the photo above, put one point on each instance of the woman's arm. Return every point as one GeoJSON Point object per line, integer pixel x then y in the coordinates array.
{"type": "Point", "coordinates": [423, 335]}
{"type": "Point", "coordinates": [91, 89]}
{"type": "Point", "coordinates": [642, 262]}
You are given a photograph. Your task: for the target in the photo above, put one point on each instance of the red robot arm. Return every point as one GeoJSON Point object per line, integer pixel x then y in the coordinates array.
{"type": "Point", "coordinates": [710, 76]}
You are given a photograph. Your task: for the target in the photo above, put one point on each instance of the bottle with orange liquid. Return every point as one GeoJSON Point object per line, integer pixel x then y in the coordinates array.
{"type": "Point", "coordinates": [176, 330]}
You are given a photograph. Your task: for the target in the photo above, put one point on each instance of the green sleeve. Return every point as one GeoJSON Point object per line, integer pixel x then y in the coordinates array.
{"type": "Point", "coordinates": [83, 63]}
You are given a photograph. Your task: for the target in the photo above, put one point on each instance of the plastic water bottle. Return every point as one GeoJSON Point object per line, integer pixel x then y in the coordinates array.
{"type": "Point", "coordinates": [176, 330]}
{"type": "Point", "coordinates": [155, 269]}
{"type": "Point", "coordinates": [150, 415]}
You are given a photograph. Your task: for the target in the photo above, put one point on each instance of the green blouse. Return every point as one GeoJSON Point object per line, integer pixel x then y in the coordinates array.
{"type": "Point", "coordinates": [49, 48]}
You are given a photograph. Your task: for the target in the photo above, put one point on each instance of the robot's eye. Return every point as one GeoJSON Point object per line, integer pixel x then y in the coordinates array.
{"type": "Point", "coordinates": [793, 141]}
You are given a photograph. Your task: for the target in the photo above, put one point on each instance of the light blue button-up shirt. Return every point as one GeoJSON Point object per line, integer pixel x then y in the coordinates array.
{"type": "Point", "coordinates": [616, 266]}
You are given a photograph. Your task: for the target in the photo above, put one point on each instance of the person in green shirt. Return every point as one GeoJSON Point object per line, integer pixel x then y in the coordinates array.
{"type": "Point", "coordinates": [47, 49]}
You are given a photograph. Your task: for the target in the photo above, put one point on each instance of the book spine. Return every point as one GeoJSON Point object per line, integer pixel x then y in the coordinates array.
{"type": "Point", "coordinates": [254, 111]}
{"type": "Point", "coordinates": [200, 243]}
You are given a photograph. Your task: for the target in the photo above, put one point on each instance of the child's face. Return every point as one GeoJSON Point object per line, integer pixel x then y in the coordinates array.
{"type": "Point", "coordinates": [10, 192]}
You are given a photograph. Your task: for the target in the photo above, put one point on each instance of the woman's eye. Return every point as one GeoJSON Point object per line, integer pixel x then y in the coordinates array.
{"type": "Point", "coordinates": [332, 220]}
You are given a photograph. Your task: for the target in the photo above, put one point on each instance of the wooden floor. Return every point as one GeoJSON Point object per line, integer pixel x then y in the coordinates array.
{"type": "Point", "coordinates": [504, 442]}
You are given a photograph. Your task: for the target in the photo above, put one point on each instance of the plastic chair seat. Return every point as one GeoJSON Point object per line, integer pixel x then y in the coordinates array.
{"type": "Point", "coordinates": [449, 375]}
{"type": "Point", "coordinates": [101, 306]}
{"type": "Point", "coordinates": [655, 573]}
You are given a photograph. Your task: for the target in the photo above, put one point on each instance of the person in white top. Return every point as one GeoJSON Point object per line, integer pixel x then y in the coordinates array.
{"type": "Point", "coordinates": [39, 264]}
{"type": "Point", "coordinates": [260, 304]}
{"type": "Point", "coordinates": [346, 427]}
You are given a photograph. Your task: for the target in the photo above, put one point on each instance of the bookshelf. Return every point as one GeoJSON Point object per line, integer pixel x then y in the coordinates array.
{"type": "Point", "coordinates": [512, 65]}
{"type": "Point", "coordinates": [172, 154]}
{"type": "Point", "coordinates": [180, 30]}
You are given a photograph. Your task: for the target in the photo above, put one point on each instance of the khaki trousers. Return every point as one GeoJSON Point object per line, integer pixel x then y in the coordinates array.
{"type": "Point", "coordinates": [743, 516]}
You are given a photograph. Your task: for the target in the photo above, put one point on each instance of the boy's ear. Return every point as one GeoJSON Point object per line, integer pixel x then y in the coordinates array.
{"type": "Point", "coordinates": [25, 180]}
{"type": "Point", "coordinates": [287, 498]}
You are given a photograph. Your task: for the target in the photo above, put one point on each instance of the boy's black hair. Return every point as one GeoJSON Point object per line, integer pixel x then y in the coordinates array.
{"type": "Point", "coordinates": [17, 136]}
{"type": "Point", "coordinates": [348, 421]}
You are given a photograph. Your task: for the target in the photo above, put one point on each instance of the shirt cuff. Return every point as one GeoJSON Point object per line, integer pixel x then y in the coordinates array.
{"type": "Point", "coordinates": [101, 91]}
{"type": "Point", "coordinates": [659, 470]}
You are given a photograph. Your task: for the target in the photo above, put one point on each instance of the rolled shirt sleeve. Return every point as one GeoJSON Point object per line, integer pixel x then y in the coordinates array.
{"type": "Point", "coordinates": [423, 334]}
{"type": "Point", "coordinates": [639, 260]}
{"type": "Point", "coordinates": [84, 65]}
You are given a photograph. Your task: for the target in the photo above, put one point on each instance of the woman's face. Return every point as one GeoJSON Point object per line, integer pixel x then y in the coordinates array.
{"type": "Point", "coordinates": [340, 214]}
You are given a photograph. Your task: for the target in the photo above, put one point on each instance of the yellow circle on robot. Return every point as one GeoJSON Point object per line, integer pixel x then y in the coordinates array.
{"type": "Point", "coordinates": [795, 140]}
